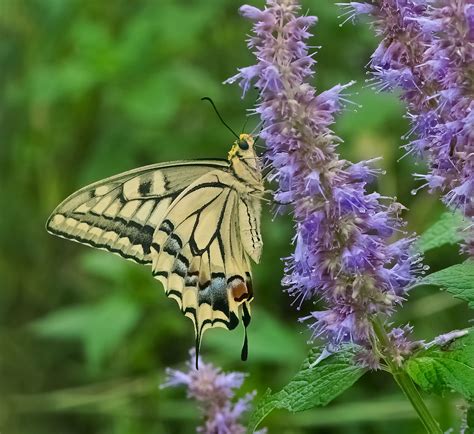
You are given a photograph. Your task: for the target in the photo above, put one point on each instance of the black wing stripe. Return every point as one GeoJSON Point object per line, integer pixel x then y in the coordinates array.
{"type": "Point", "coordinates": [230, 324]}
{"type": "Point", "coordinates": [168, 228]}
{"type": "Point", "coordinates": [98, 245]}
{"type": "Point", "coordinates": [192, 241]}
{"type": "Point", "coordinates": [136, 233]}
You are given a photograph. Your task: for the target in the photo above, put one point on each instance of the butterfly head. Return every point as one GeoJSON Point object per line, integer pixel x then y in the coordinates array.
{"type": "Point", "coordinates": [242, 147]}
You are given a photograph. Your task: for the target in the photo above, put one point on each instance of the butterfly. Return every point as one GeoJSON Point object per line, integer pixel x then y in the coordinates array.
{"type": "Point", "coordinates": [195, 223]}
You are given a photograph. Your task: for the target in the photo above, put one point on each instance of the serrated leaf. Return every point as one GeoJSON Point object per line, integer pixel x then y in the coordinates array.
{"type": "Point", "coordinates": [457, 280]}
{"type": "Point", "coordinates": [312, 386]}
{"type": "Point", "coordinates": [447, 230]}
{"type": "Point", "coordinates": [446, 367]}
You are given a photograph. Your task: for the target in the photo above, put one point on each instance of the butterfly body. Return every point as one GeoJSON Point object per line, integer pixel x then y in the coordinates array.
{"type": "Point", "coordinates": [196, 223]}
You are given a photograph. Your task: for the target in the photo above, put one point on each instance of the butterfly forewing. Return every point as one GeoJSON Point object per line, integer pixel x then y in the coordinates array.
{"type": "Point", "coordinates": [121, 213]}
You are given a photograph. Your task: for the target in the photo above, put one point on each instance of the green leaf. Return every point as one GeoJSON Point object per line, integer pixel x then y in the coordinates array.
{"type": "Point", "coordinates": [445, 367]}
{"type": "Point", "coordinates": [312, 386]}
{"type": "Point", "coordinates": [457, 280]}
{"type": "Point", "coordinates": [447, 230]}
{"type": "Point", "coordinates": [100, 327]}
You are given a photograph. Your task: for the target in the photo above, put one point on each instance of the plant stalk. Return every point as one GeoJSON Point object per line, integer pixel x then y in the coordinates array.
{"type": "Point", "coordinates": [405, 382]}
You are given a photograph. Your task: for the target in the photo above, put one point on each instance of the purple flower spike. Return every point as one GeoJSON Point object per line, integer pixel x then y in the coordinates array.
{"type": "Point", "coordinates": [215, 392]}
{"type": "Point", "coordinates": [401, 345]}
{"type": "Point", "coordinates": [343, 253]}
{"type": "Point", "coordinates": [427, 51]}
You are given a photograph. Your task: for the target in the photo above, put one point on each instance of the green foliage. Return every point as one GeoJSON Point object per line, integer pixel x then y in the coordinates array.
{"type": "Point", "coordinates": [469, 422]}
{"type": "Point", "coordinates": [446, 367]}
{"type": "Point", "coordinates": [447, 230]}
{"type": "Point", "coordinates": [313, 386]}
{"type": "Point", "coordinates": [457, 280]}
{"type": "Point", "coordinates": [265, 328]}
{"type": "Point", "coordinates": [100, 327]}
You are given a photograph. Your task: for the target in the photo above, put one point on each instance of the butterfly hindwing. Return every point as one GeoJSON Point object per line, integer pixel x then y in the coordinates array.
{"type": "Point", "coordinates": [200, 257]}
{"type": "Point", "coordinates": [120, 214]}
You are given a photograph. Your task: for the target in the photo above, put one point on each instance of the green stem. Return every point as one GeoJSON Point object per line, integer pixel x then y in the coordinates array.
{"type": "Point", "coordinates": [405, 382]}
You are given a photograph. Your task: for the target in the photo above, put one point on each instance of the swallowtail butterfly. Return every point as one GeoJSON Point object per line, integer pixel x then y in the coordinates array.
{"type": "Point", "coordinates": [195, 223]}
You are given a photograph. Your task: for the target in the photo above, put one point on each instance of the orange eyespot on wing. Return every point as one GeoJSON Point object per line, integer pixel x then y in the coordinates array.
{"type": "Point", "coordinates": [238, 288]}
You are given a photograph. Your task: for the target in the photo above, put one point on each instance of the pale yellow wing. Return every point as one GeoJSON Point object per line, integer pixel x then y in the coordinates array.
{"type": "Point", "coordinates": [200, 255]}
{"type": "Point", "coordinates": [120, 213]}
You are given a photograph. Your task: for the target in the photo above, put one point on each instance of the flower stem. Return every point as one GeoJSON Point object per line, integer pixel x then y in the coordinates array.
{"type": "Point", "coordinates": [405, 382]}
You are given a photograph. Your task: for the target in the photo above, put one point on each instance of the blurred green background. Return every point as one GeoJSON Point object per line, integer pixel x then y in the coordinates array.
{"type": "Point", "coordinates": [91, 88]}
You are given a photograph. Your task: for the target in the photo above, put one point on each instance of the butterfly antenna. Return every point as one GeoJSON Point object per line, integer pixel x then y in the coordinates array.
{"type": "Point", "coordinates": [259, 125]}
{"type": "Point", "coordinates": [245, 124]}
{"type": "Point", "coordinates": [206, 98]}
